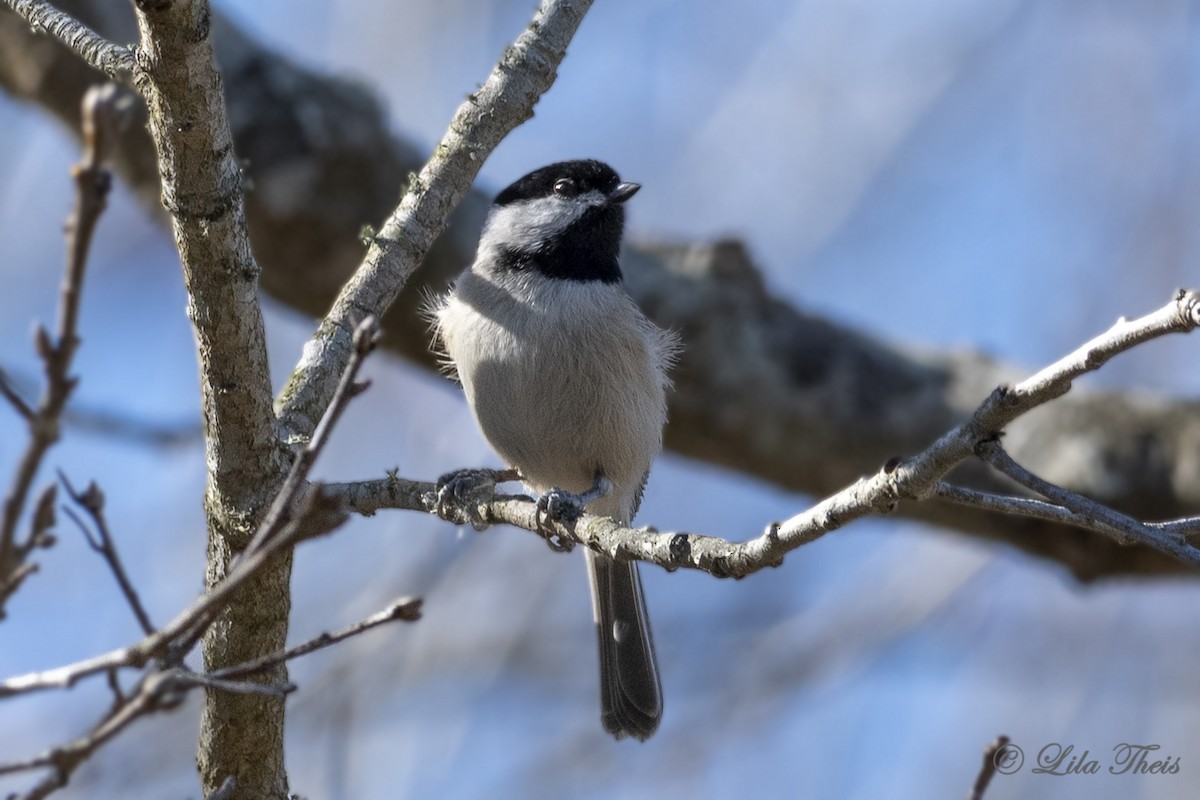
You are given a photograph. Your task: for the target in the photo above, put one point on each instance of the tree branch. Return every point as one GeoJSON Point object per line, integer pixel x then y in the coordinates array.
{"type": "Point", "coordinates": [92, 501]}
{"type": "Point", "coordinates": [988, 769]}
{"type": "Point", "coordinates": [113, 60]}
{"type": "Point", "coordinates": [526, 70]}
{"type": "Point", "coordinates": [406, 609]}
{"type": "Point", "coordinates": [92, 183]}
{"type": "Point", "coordinates": [917, 478]}
{"type": "Point", "coordinates": [201, 178]}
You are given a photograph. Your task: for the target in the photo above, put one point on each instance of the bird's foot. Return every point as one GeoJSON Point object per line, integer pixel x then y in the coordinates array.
{"type": "Point", "coordinates": [561, 506]}
{"type": "Point", "coordinates": [458, 493]}
{"type": "Point", "coordinates": [565, 508]}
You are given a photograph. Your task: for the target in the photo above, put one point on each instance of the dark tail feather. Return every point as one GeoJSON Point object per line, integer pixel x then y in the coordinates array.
{"type": "Point", "coordinates": [630, 690]}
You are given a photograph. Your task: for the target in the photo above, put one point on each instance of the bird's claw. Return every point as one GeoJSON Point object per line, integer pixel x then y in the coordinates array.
{"type": "Point", "coordinates": [457, 494]}
{"type": "Point", "coordinates": [558, 505]}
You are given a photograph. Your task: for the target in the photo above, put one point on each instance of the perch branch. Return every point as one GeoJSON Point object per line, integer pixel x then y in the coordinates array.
{"type": "Point", "coordinates": [917, 478]}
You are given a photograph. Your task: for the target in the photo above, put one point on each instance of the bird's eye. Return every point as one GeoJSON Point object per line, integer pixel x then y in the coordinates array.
{"type": "Point", "coordinates": [564, 187]}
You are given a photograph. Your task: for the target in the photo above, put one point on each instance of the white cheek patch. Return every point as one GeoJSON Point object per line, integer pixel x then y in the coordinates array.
{"type": "Point", "coordinates": [528, 224]}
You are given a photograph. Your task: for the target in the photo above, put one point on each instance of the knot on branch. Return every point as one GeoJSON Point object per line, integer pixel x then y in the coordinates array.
{"type": "Point", "coordinates": [1188, 301]}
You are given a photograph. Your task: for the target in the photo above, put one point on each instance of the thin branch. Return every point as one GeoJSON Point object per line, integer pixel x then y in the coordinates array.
{"type": "Point", "coordinates": [1050, 512]}
{"type": "Point", "coordinates": [210, 681]}
{"type": "Point", "coordinates": [406, 609]}
{"type": "Point", "coordinates": [113, 60]}
{"type": "Point", "coordinates": [14, 398]}
{"type": "Point", "coordinates": [916, 478]}
{"type": "Point", "coordinates": [100, 420]}
{"type": "Point", "coordinates": [288, 522]}
{"type": "Point", "coordinates": [92, 183]}
{"type": "Point", "coordinates": [365, 336]}
{"type": "Point", "coordinates": [92, 501]}
{"type": "Point", "coordinates": [161, 690]}
{"type": "Point", "coordinates": [526, 70]}
{"type": "Point", "coordinates": [987, 769]}
{"type": "Point", "coordinates": [1092, 515]}
{"type": "Point", "coordinates": [157, 691]}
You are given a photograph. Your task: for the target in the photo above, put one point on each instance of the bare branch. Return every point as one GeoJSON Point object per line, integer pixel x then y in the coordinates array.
{"type": "Point", "coordinates": [161, 690]}
{"type": "Point", "coordinates": [113, 60]}
{"type": "Point", "coordinates": [988, 769]}
{"type": "Point", "coordinates": [916, 478]}
{"type": "Point", "coordinates": [526, 70]}
{"type": "Point", "coordinates": [1091, 514]}
{"type": "Point", "coordinates": [1040, 509]}
{"type": "Point", "coordinates": [287, 523]}
{"type": "Point", "coordinates": [157, 691]}
{"type": "Point", "coordinates": [364, 339]}
{"type": "Point", "coordinates": [92, 183]}
{"type": "Point", "coordinates": [92, 501]}
{"type": "Point", "coordinates": [406, 609]}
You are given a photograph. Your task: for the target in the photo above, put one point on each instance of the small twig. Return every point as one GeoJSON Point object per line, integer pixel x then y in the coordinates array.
{"type": "Point", "coordinates": [111, 59]}
{"type": "Point", "coordinates": [406, 609]}
{"type": "Point", "coordinates": [157, 691]}
{"type": "Point", "coordinates": [210, 681]}
{"type": "Point", "coordinates": [92, 183]}
{"type": "Point", "coordinates": [14, 398]}
{"type": "Point", "coordinates": [1088, 513]}
{"type": "Point", "coordinates": [114, 685]}
{"type": "Point", "coordinates": [92, 501]}
{"type": "Point", "coordinates": [161, 690]}
{"type": "Point", "coordinates": [1041, 509]}
{"type": "Point", "coordinates": [987, 770]}
{"type": "Point", "coordinates": [103, 421]}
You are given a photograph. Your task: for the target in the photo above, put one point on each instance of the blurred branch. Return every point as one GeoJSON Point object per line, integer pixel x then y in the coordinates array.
{"type": "Point", "coordinates": [988, 769]}
{"type": "Point", "coordinates": [92, 182]}
{"type": "Point", "coordinates": [917, 478]}
{"type": "Point", "coordinates": [16, 386]}
{"type": "Point", "coordinates": [92, 501]}
{"type": "Point", "coordinates": [111, 59]}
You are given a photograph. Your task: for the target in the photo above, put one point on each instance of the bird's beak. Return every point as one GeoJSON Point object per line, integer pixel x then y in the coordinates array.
{"type": "Point", "coordinates": [623, 192]}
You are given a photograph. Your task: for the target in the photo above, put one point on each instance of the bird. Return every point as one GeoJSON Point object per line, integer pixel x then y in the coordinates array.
{"type": "Point", "coordinates": [567, 380]}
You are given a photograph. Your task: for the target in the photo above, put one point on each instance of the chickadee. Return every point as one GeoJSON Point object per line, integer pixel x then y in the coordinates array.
{"type": "Point", "coordinates": [567, 380]}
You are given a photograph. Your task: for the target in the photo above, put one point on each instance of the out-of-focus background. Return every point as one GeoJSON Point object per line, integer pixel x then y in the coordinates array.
{"type": "Point", "coordinates": [1004, 175]}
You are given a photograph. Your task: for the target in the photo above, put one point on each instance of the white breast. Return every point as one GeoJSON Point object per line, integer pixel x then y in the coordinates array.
{"type": "Point", "coordinates": [566, 378]}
